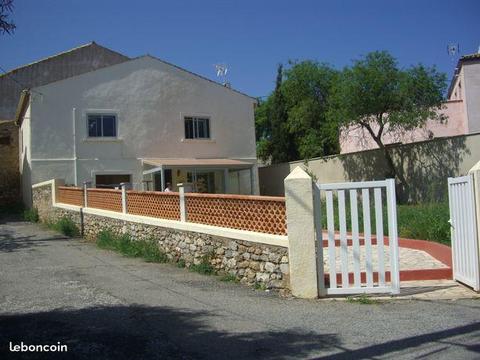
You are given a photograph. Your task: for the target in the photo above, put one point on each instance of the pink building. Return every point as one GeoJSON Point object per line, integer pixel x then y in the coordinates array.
{"type": "Point", "coordinates": [462, 109]}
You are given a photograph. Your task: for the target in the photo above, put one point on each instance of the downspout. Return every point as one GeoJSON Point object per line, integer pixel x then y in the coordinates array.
{"type": "Point", "coordinates": [74, 147]}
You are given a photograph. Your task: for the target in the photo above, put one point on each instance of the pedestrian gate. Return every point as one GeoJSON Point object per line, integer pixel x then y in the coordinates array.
{"type": "Point", "coordinates": [363, 260]}
{"type": "Point", "coordinates": [465, 250]}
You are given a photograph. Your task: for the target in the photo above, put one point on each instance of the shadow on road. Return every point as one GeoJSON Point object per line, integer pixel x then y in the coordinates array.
{"type": "Point", "coordinates": [10, 240]}
{"type": "Point", "coordinates": [139, 332]}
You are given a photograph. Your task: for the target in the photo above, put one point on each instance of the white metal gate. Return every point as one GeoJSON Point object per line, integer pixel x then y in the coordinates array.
{"type": "Point", "coordinates": [464, 232]}
{"type": "Point", "coordinates": [375, 267]}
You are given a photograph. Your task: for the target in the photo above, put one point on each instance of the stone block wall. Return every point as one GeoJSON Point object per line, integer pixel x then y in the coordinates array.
{"type": "Point", "coordinates": [252, 263]}
{"type": "Point", "coordinates": [9, 171]}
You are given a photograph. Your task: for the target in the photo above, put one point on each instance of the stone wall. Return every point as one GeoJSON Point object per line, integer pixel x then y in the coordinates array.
{"type": "Point", "coordinates": [252, 263]}
{"type": "Point", "coordinates": [9, 171]}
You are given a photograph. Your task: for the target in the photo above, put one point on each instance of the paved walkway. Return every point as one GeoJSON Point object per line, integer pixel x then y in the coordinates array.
{"type": "Point", "coordinates": [106, 306]}
{"type": "Point", "coordinates": [410, 259]}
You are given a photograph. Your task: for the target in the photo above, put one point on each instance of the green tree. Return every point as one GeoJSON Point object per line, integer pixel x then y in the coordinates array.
{"type": "Point", "coordinates": [6, 24]}
{"type": "Point", "coordinates": [291, 123]}
{"type": "Point", "coordinates": [378, 96]}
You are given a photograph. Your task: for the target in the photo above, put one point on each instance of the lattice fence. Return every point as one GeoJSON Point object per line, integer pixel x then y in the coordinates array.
{"type": "Point", "coordinates": [152, 203]}
{"type": "Point", "coordinates": [106, 199]}
{"type": "Point", "coordinates": [70, 195]}
{"type": "Point", "coordinates": [254, 213]}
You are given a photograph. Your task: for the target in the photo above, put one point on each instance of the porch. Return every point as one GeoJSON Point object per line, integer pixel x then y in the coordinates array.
{"type": "Point", "coordinates": [215, 176]}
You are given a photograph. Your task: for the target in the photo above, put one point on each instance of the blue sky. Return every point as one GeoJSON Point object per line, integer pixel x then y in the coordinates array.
{"type": "Point", "coordinates": [252, 37]}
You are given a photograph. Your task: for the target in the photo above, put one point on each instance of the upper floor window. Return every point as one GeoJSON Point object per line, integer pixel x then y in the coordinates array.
{"type": "Point", "coordinates": [102, 125]}
{"type": "Point", "coordinates": [197, 128]}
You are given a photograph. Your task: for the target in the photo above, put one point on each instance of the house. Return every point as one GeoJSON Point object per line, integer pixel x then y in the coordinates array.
{"type": "Point", "coordinates": [142, 121]}
{"type": "Point", "coordinates": [69, 63]}
{"type": "Point", "coordinates": [462, 109]}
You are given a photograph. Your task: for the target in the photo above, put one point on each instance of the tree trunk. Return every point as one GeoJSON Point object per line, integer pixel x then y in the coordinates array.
{"type": "Point", "coordinates": [391, 172]}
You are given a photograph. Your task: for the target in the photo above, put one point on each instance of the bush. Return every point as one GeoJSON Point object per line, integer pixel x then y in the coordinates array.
{"type": "Point", "coordinates": [124, 244]}
{"type": "Point", "coordinates": [31, 215]}
{"type": "Point", "coordinates": [66, 226]}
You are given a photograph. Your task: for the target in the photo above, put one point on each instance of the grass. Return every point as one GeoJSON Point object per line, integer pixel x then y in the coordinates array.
{"type": "Point", "coordinates": [260, 286]}
{"type": "Point", "coordinates": [229, 278]}
{"type": "Point", "coordinates": [66, 226]}
{"type": "Point", "coordinates": [423, 221]}
{"type": "Point", "coordinates": [362, 299]}
{"type": "Point", "coordinates": [181, 263]}
{"type": "Point", "coordinates": [204, 268]}
{"type": "Point", "coordinates": [31, 215]}
{"type": "Point", "coordinates": [148, 250]}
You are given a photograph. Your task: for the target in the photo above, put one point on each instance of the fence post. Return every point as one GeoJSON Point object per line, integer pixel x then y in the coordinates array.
{"type": "Point", "coordinates": [301, 234]}
{"type": "Point", "coordinates": [123, 186]}
{"type": "Point", "coordinates": [183, 207]}
{"type": "Point", "coordinates": [85, 193]}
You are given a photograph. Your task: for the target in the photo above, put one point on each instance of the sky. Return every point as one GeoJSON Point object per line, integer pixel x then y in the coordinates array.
{"type": "Point", "coordinates": [251, 37]}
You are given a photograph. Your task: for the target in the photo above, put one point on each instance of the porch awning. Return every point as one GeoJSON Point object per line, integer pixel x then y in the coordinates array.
{"type": "Point", "coordinates": [195, 162]}
{"type": "Point", "coordinates": [189, 162]}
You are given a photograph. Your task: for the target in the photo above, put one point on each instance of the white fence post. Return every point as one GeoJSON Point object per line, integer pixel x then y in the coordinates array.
{"type": "Point", "coordinates": [85, 194]}
{"type": "Point", "coordinates": [123, 186]}
{"type": "Point", "coordinates": [183, 207]}
{"type": "Point", "coordinates": [301, 234]}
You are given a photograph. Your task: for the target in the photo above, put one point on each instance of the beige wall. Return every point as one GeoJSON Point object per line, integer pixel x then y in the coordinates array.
{"type": "Point", "coordinates": [426, 166]}
{"type": "Point", "coordinates": [150, 99]}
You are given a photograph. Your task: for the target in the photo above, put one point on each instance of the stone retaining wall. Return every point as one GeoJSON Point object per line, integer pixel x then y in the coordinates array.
{"type": "Point", "coordinates": [252, 263]}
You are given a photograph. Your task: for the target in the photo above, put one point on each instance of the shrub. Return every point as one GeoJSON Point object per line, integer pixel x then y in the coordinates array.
{"type": "Point", "coordinates": [66, 226]}
{"type": "Point", "coordinates": [31, 215]}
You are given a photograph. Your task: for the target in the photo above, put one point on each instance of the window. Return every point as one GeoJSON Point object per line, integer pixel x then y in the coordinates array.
{"type": "Point", "coordinates": [102, 126]}
{"type": "Point", "coordinates": [111, 181]}
{"type": "Point", "coordinates": [197, 128]}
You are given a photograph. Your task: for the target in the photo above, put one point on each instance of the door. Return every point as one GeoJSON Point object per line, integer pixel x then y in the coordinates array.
{"type": "Point", "coordinates": [465, 250]}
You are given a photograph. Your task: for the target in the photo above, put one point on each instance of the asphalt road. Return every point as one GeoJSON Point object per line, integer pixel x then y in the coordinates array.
{"type": "Point", "coordinates": [104, 306]}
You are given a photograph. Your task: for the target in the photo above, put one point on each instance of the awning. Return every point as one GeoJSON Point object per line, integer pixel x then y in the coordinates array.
{"type": "Point", "coordinates": [188, 162]}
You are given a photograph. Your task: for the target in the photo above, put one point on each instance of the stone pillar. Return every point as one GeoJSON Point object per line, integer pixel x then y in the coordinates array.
{"type": "Point", "coordinates": [301, 234]}
{"type": "Point", "coordinates": [475, 171]}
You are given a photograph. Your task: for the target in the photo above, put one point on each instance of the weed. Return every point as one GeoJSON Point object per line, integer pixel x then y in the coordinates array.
{"type": "Point", "coordinates": [181, 263]}
{"type": "Point", "coordinates": [146, 249]}
{"type": "Point", "coordinates": [229, 278]}
{"type": "Point", "coordinates": [362, 299]}
{"type": "Point", "coordinates": [204, 267]}
{"type": "Point", "coordinates": [65, 225]}
{"type": "Point", "coordinates": [31, 215]}
{"type": "Point", "coordinates": [260, 286]}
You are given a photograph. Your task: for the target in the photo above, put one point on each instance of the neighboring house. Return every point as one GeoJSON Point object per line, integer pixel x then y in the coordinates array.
{"type": "Point", "coordinates": [143, 121]}
{"type": "Point", "coordinates": [462, 109]}
{"type": "Point", "coordinates": [60, 66]}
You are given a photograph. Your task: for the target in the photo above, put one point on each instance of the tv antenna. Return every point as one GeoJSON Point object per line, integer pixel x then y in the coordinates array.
{"type": "Point", "coordinates": [222, 70]}
{"type": "Point", "coordinates": [453, 50]}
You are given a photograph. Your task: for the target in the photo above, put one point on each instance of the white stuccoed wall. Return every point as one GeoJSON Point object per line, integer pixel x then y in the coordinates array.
{"type": "Point", "coordinates": [150, 98]}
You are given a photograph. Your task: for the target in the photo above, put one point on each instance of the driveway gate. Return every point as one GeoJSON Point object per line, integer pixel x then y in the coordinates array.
{"type": "Point", "coordinates": [464, 233]}
{"type": "Point", "coordinates": [357, 262]}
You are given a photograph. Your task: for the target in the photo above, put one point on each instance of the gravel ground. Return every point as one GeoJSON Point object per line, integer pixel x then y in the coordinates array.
{"type": "Point", "coordinates": [104, 306]}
